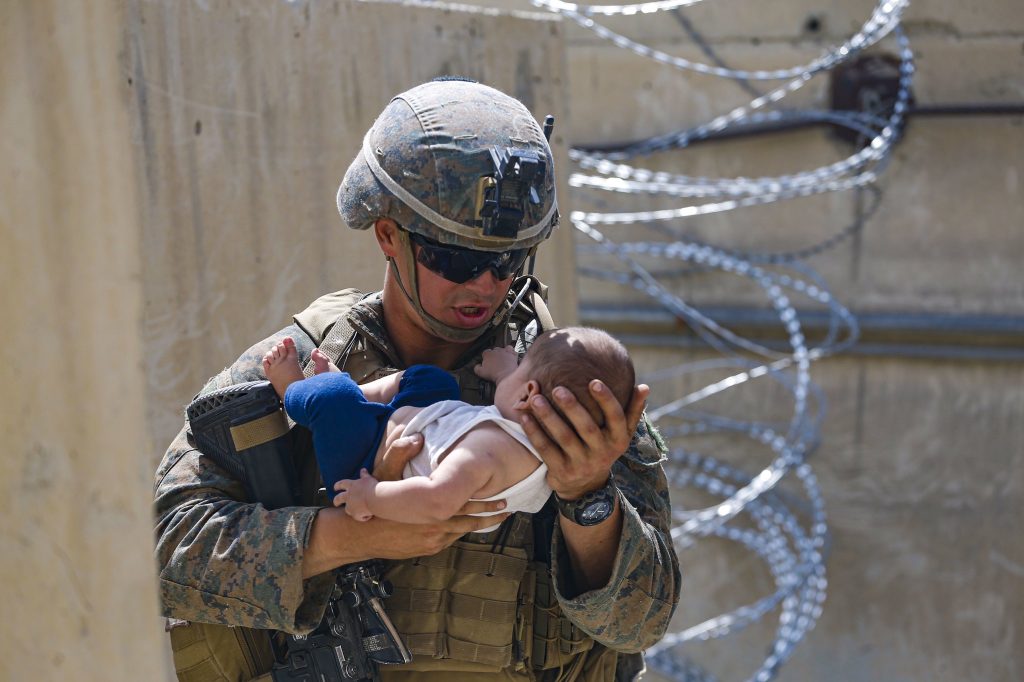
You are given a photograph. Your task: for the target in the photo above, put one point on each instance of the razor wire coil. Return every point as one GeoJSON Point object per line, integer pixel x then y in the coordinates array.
{"type": "Point", "coordinates": [788, 533]}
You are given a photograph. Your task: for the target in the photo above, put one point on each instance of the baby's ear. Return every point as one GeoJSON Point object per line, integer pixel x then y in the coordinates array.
{"type": "Point", "coordinates": [530, 389]}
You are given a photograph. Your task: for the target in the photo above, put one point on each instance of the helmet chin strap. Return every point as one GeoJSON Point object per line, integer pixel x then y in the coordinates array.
{"type": "Point", "coordinates": [439, 328]}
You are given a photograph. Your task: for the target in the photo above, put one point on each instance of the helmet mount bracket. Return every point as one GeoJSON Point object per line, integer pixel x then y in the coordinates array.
{"type": "Point", "coordinates": [502, 198]}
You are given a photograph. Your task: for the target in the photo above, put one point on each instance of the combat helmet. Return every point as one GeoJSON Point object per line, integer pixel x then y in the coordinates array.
{"type": "Point", "coordinates": [458, 163]}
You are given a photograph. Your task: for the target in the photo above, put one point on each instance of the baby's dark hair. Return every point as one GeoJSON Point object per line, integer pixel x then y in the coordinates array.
{"type": "Point", "coordinates": [573, 357]}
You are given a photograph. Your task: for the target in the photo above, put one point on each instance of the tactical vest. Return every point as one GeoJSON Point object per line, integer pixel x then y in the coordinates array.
{"type": "Point", "coordinates": [484, 608]}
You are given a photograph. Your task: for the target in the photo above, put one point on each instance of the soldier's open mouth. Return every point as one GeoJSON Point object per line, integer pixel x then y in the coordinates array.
{"type": "Point", "coordinates": [471, 315]}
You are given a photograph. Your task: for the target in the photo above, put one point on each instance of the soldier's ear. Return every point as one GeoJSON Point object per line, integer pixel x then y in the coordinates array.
{"type": "Point", "coordinates": [386, 231]}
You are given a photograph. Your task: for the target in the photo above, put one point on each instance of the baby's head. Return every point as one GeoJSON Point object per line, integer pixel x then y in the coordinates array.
{"type": "Point", "coordinates": [571, 357]}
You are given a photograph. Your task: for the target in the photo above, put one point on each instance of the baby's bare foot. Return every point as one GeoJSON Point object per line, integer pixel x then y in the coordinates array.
{"type": "Point", "coordinates": [321, 363]}
{"type": "Point", "coordinates": [281, 365]}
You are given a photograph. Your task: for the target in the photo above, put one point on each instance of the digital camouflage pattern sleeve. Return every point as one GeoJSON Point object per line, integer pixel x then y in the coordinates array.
{"type": "Point", "coordinates": [633, 610]}
{"type": "Point", "coordinates": [222, 560]}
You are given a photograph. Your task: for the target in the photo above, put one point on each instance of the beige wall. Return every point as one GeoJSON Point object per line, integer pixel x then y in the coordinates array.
{"type": "Point", "coordinates": [168, 181]}
{"type": "Point", "coordinates": [921, 462]}
{"type": "Point", "coordinates": [75, 530]}
{"type": "Point", "coordinates": [943, 240]}
{"type": "Point", "coordinates": [922, 472]}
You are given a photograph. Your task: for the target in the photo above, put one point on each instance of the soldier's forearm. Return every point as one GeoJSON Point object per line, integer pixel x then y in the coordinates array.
{"type": "Point", "coordinates": [592, 551]}
{"type": "Point", "coordinates": [334, 540]}
{"type": "Point", "coordinates": [631, 611]}
{"type": "Point", "coordinates": [337, 539]}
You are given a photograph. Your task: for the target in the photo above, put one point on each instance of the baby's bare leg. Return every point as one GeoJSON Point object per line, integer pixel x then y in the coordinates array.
{"type": "Point", "coordinates": [281, 365]}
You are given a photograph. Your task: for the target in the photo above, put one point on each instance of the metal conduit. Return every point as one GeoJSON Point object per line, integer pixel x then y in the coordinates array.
{"type": "Point", "coordinates": [773, 128]}
{"type": "Point", "coordinates": [938, 336]}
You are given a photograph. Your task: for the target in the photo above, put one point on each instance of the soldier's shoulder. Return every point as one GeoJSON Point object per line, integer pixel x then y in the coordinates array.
{"type": "Point", "coordinates": [319, 315]}
{"type": "Point", "coordinates": [249, 365]}
{"type": "Point", "coordinates": [647, 448]}
{"type": "Point", "coordinates": [640, 473]}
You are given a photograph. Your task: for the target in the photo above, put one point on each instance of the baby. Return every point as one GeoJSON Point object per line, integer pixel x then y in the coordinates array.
{"type": "Point", "coordinates": [469, 452]}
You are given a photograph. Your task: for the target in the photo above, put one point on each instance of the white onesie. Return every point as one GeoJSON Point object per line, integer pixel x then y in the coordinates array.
{"type": "Point", "coordinates": [443, 424]}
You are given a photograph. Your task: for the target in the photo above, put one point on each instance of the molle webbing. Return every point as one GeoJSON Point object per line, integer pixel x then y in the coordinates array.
{"type": "Point", "coordinates": [458, 605]}
{"type": "Point", "coordinates": [461, 603]}
{"type": "Point", "coordinates": [474, 562]}
{"type": "Point", "coordinates": [438, 645]}
{"type": "Point", "coordinates": [334, 344]}
{"type": "Point", "coordinates": [556, 641]}
{"type": "Point", "coordinates": [206, 652]}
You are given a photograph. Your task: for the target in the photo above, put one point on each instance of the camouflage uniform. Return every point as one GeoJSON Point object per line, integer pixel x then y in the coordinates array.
{"type": "Point", "coordinates": [225, 561]}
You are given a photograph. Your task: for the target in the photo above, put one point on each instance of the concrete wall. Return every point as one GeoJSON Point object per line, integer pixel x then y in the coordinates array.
{"type": "Point", "coordinates": [922, 471]}
{"type": "Point", "coordinates": [168, 181]}
{"type": "Point", "coordinates": [921, 463]}
{"type": "Point", "coordinates": [943, 239]}
{"type": "Point", "coordinates": [76, 566]}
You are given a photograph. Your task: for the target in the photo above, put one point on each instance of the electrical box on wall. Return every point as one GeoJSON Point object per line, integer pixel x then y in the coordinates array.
{"type": "Point", "coordinates": [868, 84]}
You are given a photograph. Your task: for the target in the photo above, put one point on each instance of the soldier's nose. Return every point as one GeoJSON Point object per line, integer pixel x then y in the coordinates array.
{"type": "Point", "coordinates": [485, 282]}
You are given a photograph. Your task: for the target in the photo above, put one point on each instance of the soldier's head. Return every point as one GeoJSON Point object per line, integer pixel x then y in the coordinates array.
{"type": "Point", "coordinates": [457, 180]}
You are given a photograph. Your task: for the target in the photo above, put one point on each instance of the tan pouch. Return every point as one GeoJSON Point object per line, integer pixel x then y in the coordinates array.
{"type": "Point", "coordinates": [204, 652]}
{"type": "Point", "coordinates": [459, 605]}
{"type": "Point", "coordinates": [596, 664]}
{"type": "Point", "coordinates": [557, 643]}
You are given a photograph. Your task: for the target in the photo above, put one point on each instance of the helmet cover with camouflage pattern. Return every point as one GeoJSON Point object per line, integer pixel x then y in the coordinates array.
{"type": "Point", "coordinates": [422, 162]}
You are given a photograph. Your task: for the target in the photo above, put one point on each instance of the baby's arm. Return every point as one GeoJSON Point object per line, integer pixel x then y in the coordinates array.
{"type": "Point", "coordinates": [466, 469]}
{"type": "Point", "coordinates": [382, 390]}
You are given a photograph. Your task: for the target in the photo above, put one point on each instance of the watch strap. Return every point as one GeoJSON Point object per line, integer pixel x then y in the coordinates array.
{"type": "Point", "coordinates": [591, 508]}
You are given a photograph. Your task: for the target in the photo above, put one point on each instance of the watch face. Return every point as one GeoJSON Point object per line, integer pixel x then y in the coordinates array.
{"type": "Point", "coordinates": [595, 512]}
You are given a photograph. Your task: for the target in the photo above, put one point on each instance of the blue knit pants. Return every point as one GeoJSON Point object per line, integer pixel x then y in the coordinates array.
{"type": "Point", "coordinates": [347, 427]}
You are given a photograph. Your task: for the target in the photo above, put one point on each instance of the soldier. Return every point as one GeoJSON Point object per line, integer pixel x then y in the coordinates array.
{"type": "Point", "coordinates": [456, 180]}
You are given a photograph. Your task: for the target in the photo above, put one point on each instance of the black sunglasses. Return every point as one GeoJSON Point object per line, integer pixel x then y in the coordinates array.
{"type": "Point", "coordinates": [461, 265]}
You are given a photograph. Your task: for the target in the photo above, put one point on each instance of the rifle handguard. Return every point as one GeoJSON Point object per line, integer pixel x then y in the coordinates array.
{"type": "Point", "coordinates": [244, 429]}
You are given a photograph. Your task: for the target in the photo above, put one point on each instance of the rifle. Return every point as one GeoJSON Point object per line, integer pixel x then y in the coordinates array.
{"type": "Point", "coordinates": [243, 428]}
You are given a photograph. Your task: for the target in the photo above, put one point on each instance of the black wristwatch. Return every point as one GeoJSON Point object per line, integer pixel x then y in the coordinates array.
{"type": "Point", "coordinates": [591, 509]}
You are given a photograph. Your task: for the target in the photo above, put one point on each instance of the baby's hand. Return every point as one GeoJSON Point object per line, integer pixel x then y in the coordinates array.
{"type": "Point", "coordinates": [354, 495]}
{"type": "Point", "coordinates": [497, 363]}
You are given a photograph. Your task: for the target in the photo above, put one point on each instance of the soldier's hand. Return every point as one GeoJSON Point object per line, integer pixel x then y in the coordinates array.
{"type": "Point", "coordinates": [397, 456]}
{"type": "Point", "coordinates": [579, 453]}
